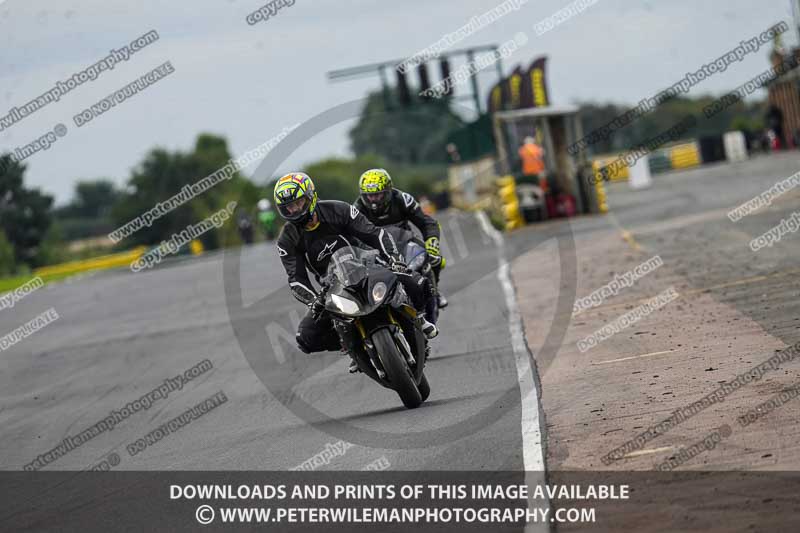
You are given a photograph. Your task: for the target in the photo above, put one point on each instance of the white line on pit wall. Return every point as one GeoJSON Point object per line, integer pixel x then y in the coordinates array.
{"type": "Point", "coordinates": [532, 456]}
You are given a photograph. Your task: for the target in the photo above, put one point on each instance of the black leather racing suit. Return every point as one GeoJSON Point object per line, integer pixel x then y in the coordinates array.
{"type": "Point", "coordinates": [404, 208]}
{"type": "Point", "coordinates": [302, 250]}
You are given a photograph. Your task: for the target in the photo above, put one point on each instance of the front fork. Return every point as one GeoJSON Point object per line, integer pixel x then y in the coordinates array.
{"type": "Point", "coordinates": [353, 336]}
{"type": "Point", "coordinates": [347, 333]}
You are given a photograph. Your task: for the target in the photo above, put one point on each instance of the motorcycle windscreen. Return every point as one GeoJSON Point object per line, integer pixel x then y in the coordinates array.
{"type": "Point", "coordinates": [414, 252]}
{"type": "Point", "coordinates": [347, 266]}
{"type": "Point", "coordinates": [399, 233]}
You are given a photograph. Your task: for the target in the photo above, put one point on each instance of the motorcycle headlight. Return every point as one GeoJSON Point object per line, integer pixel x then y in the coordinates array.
{"type": "Point", "coordinates": [345, 305]}
{"type": "Point", "coordinates": [379, 292]}
{"type": "Point", "coordinates": [417, 262]}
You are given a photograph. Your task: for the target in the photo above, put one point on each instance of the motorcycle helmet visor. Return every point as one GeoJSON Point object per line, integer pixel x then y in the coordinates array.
{"type": "Point", "coordinates": [296, 209]}
{"type": "Point", "coordinates": [376, 201]}
{"type": "Point", "coordinates": [376, 197]}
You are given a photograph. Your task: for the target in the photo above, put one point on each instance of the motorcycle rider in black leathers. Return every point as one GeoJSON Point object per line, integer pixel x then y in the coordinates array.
{"type": "Point", "coordinates": [316, 229]}
{"type": "Point", "coordinates": [383, 205]}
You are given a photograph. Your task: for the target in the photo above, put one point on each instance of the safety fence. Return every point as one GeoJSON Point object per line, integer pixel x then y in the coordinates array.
{"type": "Point", "coordinates": [72, 268]}
{"type": "Point", "coordinates": [102, 262]}
{"type": "Point", "coordinates": [677, 157]}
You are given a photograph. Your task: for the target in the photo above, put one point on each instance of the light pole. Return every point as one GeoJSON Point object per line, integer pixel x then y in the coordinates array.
{"type": "Point", "coordinates": [796, 17]}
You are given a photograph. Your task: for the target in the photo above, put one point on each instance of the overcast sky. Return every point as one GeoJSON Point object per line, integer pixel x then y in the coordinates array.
{"type": "Point", "coordinates": [248, 82]}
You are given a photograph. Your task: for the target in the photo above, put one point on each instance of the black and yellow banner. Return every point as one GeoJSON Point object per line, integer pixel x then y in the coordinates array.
{"type": "Point", "coordinates": [522, 89]}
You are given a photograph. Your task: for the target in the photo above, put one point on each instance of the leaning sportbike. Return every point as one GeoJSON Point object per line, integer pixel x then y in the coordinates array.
{"type": "Point", "coordinates": [377, 325]}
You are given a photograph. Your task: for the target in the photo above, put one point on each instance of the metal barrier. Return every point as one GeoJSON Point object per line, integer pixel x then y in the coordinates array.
{"type": "Point", "coordinates": [685, 155]}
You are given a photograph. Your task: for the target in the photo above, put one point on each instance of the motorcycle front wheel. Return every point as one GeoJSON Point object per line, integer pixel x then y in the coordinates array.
{"type": "Point", "coordinates": [397, 371]}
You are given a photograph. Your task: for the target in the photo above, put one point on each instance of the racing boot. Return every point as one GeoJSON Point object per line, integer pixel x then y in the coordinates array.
{"type": "Point", "coordinates": [442, 300]}
{"type": "Point", "coordinates": [353, 366]}
{"type": "Point", "coordinates": [437, 270]}
{"type": "Point", "coordinates": [429, 329]}
{"type": "Point", "coordinates": [346, 340]}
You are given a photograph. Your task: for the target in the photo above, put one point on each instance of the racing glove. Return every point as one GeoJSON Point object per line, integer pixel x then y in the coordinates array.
{"type": "Point", "coordinates": [398, 264]}
{"type": "Point", "coordinates": [432, 247]}
{"type": "Point", "coordinates": [317, 305]}
{"type": "Point", "coordinates": [317, 308]}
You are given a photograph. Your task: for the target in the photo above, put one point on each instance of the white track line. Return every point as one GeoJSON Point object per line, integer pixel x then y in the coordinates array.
{"type": "Point", "coordinates": [532, 454]}
{"type": "Point", "coordinates": [649, 451]}
{"type": "Point", "coordinates": [621, 359]}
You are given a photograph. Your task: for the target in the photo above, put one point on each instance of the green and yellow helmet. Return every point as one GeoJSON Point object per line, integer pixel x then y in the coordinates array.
{"type": "Point", "coordinates": [295, 197]}
{"type": "Point", "coordinates": [375, 188]}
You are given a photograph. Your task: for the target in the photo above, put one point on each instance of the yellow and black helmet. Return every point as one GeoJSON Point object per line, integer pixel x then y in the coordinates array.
{"type": "Point", "coordinates": [375, 187]}
{"type": "Point", "coordinates": [295, 197]}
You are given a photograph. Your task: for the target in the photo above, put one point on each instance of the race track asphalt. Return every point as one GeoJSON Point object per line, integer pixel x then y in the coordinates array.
{"type": "Point", "coordinates": [121, 334]}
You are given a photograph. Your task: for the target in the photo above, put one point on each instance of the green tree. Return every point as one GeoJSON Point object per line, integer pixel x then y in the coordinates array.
{"type": "Point", "coordinates": [53, 249]}
{"type": "Point", "coordinates": [157, 178]}
{"type": "Point", "coordinates": [337, 178]}
{"type": "Point", "coordinates": [594, 116]}
{"type": "Point", "coordinates": [663, 117]}
{"type": "Point", "coordinates": [163, 174]}
{"type": "Point", "coordinates": [7, 265]}
{"type": "Point", "coordinates": [413, 135]}
{"type": "Point", "coordinates": [24, 213]}
{"type": "Point", "coordinates": [747, 122]}
{"type": "Point", "coordinates": [93, 199]}
{"type": "Point", "coordinates": [89, 212]}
